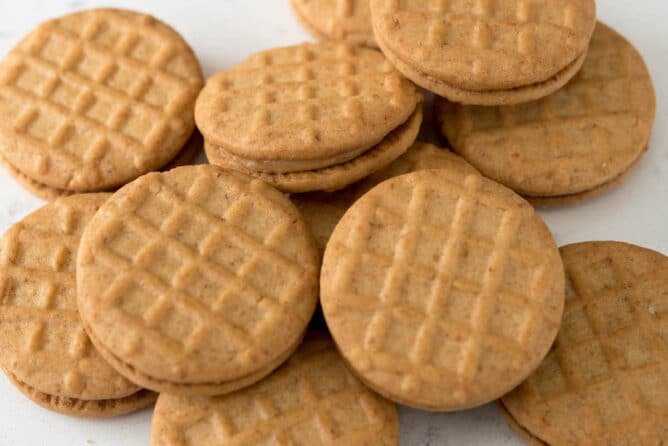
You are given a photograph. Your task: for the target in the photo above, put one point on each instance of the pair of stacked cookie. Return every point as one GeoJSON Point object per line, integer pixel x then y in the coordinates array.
{"type": "Point", "coordinates": [93, 100]}
{"type": "Point", "coordinates": [535, 95]}
{"type": "Point", "coordinates": [309, 117]}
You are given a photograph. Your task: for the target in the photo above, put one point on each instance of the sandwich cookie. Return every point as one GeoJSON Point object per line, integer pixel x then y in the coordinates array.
{"type": "Point", "coordinates": [94, 99]}
{"type": "Point", "coordinates": [309, 117]}
{"type": "Point", "coordinates": [605, 380]}
{"type": "Point", "coordinates": [198, 281]}
{"type": "Point", "coordinates": [45, 350]}
{"type": "Point", "coordinates": [572, 145]}
{"type": "Point", "coordinates": [485, 52]}
{"type": "Point", "coordinates": [312, 399]}
{"type": "Point", "coordinates": [442, 289]}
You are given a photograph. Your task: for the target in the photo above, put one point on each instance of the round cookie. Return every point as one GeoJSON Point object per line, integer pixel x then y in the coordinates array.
{"type": "Point", "coordinates": [305, 107]}
{"type": "Point", "coordinates": [442, 289]}
{"type": "Point", "coordinates": [347, 20]}
{"type": "Point", "coordinates": [45, 350]}
{"type": "Point", "coordinates": [337, 176]}
{"type": "Point", "coordinates": [323, 210]}
{"type": "Point", "coordinates": [97, 98]}
{"type": "Point", "coordinates": [197, 281]}
{"type": "Point", "coordinates": [577, 140]}
{"type": "Point", "coordinates": [485, 52]}
{"type": "Point", "coordinates": [184, 157]}
{"type": "Point", "coordinates": [312, 399]}
{"type": "Point", "coordinates": [604, 380]}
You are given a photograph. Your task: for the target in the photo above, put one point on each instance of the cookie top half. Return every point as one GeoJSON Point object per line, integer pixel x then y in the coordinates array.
{"type": "Point", "coordinates": [485, 44]}
{"type": "Point", "coordinates": [307, 102]}
{"type": "Point", "coordinates": [197, 276]}
{"type": "Point", "coordinates": [42, 338]}
{"type": "Point", "coordinates": [442, 289]}
{"type": "Point", "coordinates": [581, 137]}
{"type": "Point", "coordinates": [97, 98]}
{"type": "Point", "coordinates": [312, 399]}
{"type": "Point", "coordinates": [605, 380]}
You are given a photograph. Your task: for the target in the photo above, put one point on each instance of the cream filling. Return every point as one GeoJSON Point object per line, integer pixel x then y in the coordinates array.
{"type": "Point", "coordinates": [289, 166]}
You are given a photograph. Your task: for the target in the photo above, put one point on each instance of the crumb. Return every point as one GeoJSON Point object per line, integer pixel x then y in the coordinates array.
{"type": "Point", "coordinates": [651, 310]}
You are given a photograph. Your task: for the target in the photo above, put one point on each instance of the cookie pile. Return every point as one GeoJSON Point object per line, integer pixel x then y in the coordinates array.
{"type": "Point", "coordinates": [441, 287]}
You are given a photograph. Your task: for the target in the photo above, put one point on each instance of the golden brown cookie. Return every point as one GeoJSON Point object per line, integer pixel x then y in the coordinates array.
{"type": "Point", "coordinates": [97, 98]}
{"type": "Point", "coordinates": [442, 289]}
{"type": "Point", "coordinates": [187, 155]}
{"type": "Point", "coordinates": [307, 108]}
{"type": "Point", "coordinates": [312, 400]}
{"type": "Point", "coordinates": [605, 379]}
{"type": "Point", "coordinates": [485, 52]}
{"type": "Point", "coordinates": [323, 210]}
{"type": "Point", "coordinates": [197, 281]}
{"type": "Point", "coordinates": [572, 142]}
{"type": "Point", "coordinates": [347, 20]}
{"type": "Point", "coordinates": [337, 176]}
{"type": "Point", "coordinates": [45, 350]}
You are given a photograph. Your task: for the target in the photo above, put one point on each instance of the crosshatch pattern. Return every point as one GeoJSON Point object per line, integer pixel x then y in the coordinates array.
{"type": "Point", "coordinates": [475, 44]}
{"type": "Point", "coordinates": [214, 271]}
{"type": "Point", "coordinates": [312, 400]}
{"type": "Point", "coordinates": [432, 294]}
{"type": "Point", "coordinates": [606, 377]}
{"type": "Point", "coordinates": [348, 20]}
{"type": "Point", "coordinates": [305, 101]}
{"type": "Point", "coordinates": [97, 98]}
{"type": "Point", "coordinates": [590, 131]}
{"type": "Point", "coordinates": [42, 340]}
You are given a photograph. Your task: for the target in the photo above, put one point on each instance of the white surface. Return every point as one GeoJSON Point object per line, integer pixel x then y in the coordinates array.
{"type": "Point", "coordinates": [223, 32]}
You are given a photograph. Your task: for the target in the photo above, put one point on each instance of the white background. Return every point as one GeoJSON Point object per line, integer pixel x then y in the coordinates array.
{"type": "Point", "coordinates": [223, 32]}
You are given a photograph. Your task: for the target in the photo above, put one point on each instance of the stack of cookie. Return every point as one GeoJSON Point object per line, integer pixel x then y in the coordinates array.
{"type": "Point", "coordinates": [310, 117]}
{"type": "Point", "coordinates": [95, 99]}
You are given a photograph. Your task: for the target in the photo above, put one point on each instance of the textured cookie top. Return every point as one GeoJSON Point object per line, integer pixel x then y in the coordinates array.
{"type": "Point", "coordinates": [42, 339]}
{"type": "Point", "coordinates": [305, 102]}
{"type": "Point", "coordinates": [485, 44]}
{"type": "Point", "coordinates": [442, 289]}
{"type": "Point", "coordinates": [312, 400]}
{"type": "Point", "coordinates": [606, 379]}
{"type": "Point", "coordinates": [348, 20]}
{"type": "Point", "coordinates": [197, 275]}
{"type": "Point", "coordinates": [97, 98]}
{"type": "Point", "coordinates": [579, 138]}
